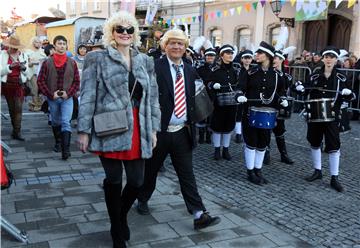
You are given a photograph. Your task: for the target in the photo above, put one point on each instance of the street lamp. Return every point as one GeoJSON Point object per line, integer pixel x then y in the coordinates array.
{"type": "Point", "coordinates": [276, 7]}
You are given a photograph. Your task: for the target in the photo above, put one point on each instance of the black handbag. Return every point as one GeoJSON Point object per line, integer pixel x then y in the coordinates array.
{"type": "Point", "coordinates": [110, 123]}
{"type": "Point", "coordinates": [203, 104]}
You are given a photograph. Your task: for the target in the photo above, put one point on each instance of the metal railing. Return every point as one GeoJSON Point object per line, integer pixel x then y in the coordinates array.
{"type": "Point", "coordinates": [301, 73]}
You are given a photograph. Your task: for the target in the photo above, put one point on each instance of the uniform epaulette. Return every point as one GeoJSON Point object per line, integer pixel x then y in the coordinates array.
{"type": "Point", "coordinates": [289, 77]}
{"type": "Point", "coordinates": [341, 77]}
{"type": "Point", "coordinates": [215, 68]}
{"type": "Point", "coordinates": [253, 70]}
{"type": "Point", "coordinates": [279, 72]}
{"type": "Point", "coordinates": [314, 76]}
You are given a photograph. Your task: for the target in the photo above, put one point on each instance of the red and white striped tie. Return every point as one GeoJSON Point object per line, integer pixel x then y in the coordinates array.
{"type": "Point", "coordinates": [180, 99]}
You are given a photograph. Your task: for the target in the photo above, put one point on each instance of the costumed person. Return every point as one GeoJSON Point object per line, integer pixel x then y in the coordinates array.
{"type": "Point", "coordinates": [246, 57]}
{"type": "Point", "coordinates": [131, 87]}
{"type": "Point", "coordinates": [36, 56]}
{"type": "Point", "coordinates": [205, 72]}
{"type": "Point", "coordinates": [14, 74]}
{"type": "Point", "coordinates": [326, 83]}
{"type": "Point", "coordinates": [224, 79]}
{"type": "Point", "coordinates": [59, 81]}
{"type": "Point", "coordinates": [189, 56]}
{"type": "Point", "coordinates": [279, 130]}
{"type": "Point", "coordinates": [175, 79]}
{"type": "Point", "coordinates": [265, 87]}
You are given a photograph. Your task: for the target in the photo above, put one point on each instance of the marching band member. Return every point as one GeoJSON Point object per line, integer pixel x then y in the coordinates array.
{"type": "Point", "coordinates": [330, 83]}
{"type": "Point", "coordinates": [280, 130]}
{"type": "Point", "coordinates": [205, 72]}
{"type": "Point", "coordinates": [246, 58]}
{"type": "Point", "coordinates": [264, 81]}
{"type": "Point", "coordinates": [224, 79]}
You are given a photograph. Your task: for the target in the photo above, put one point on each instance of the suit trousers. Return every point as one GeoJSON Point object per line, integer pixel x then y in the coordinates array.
{"type": "Point", "coordinates": [178, 145]}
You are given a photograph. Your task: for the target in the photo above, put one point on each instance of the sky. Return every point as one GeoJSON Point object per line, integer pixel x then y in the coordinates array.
{"type": "Point", "coordinates": [25, 8]}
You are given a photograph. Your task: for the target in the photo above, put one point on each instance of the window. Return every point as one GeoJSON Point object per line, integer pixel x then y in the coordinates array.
{"type": "Point", "coordinates": [216, 37]}
{"type": "Point", "coordinates": [72, 6]}
{"type": "Point", "coordinates": [243, 38]}
{"type": "Point", "coordinates": [274, 35]}
{"type": "Point", "coordinates": [96, 5]}
{"type": "Point", "coordinates": [84, 6]}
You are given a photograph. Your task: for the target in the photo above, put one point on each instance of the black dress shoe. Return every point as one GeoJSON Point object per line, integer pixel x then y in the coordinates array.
{"type": "Point", "coordinates": [259, 174]}
{"type": "Point", "coordinates": [17, 137]}
{"type": "Point", "coordinates": [205, 220]}
{"type": "Point", "coordinates": [316, 175]}
{"type": "Point", "coordinates": [335, 184]}
{"type": "Point", "coordinates": [253, 178]}
{"type": "Point", "coordinates": [143, 208]}
{"type": "Point", "coordinates": [217, 154]}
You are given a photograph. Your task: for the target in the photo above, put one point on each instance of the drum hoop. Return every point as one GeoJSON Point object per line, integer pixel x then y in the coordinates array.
{"type": "Point", "coordinates": [263, 109]}
{"type": "Point", "coordinates": [321, 120]}
{"type": "Point", "coordinates": [320, 100]}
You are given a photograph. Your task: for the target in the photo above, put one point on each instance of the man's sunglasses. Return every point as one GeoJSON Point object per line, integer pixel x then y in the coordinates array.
{"type": "Point", "coordinates": [121, 30]}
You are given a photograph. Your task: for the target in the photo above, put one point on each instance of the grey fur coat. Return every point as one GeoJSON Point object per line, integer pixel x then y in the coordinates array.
{"type": "Point", "coordinates": [109, 69]}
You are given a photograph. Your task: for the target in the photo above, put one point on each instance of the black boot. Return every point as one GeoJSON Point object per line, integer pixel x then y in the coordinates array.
{"type": "Point", "coordinates": [217, 154]}
{"type": "Point", "coordinates": [267, 159]}
{"type": "Point", "coordinates": [65, 145]}
{"type": "Point", "coordinates": [280, 141]}
{"type": "Point", "coordinates": [201, 135]}
{"type": "Point", "coordinates": [208, 137]}
{"type": "Point", "coordinates": [225, 153]}
{"type": "Point", "coordinates": [252, 177]}
{"type": "Point", "coordinates": [259, 174]}
{"type": "Point", "coordinates": [316, 175]}
{"type": "Point", "coordinates": [17, 136]}
{"type": "Point", "coordinates": [128, 197]}
{"type": "Point", "coordinates": [238, 138]}
{"type": "Point", "coordinates": [57, 137]}
{"type": "Point", "coordinates": [335, 184]}
{"type": "Point", "coordinates": [113, 204]}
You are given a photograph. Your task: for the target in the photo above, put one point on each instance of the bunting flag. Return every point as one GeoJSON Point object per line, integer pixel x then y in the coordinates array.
{"type": "Point", "coordinates": [337, 3]}
{"type": "Point", "coordinates": [282, 2]}
{"type": "Point", "coordinates": [225, 13]}
{"type": "Point", "coordinates": [328, 2]}
{"type": "Point", "coordinates": [255, 5]}
{"type": "Point", "coordinates": [293, 2]}
{"type": "Point", "coordinates": [206, 16]}
{"type": "Point", "coordinates": [232, 11]}
{"type": "Point", "coordinates": [218, 13]}
{"type": "Point", "coordinates": [351, 3]}
{"type": "Point", "coordinates": [263, 3]}
{"type": "Point", "coordinates": [238, 10]}
{"type": "Point", "coordinates": [248, 7]}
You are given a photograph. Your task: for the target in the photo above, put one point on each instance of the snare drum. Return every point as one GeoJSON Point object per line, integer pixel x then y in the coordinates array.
{"type": "Point", "coordinates": [227, 98]}
{"type": "Point", "coordinates": [285, 113]}
{"type": "Point", "coordinates": [262, 117]}
{"type": "Point", "coordinates": [320, 110]}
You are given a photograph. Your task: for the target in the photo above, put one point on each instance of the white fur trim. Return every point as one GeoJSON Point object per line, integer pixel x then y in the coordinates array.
{"type": "Point", "coordinates": [266, 50]}
{"type": "Point", "coordinates": [330, 51]}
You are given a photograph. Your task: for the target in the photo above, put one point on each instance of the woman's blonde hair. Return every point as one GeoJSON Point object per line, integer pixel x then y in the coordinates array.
{"type": "Point", "coordinates": [119, 18]}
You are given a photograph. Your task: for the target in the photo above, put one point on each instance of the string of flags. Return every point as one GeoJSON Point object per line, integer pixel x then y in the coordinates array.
{"type": "Point", "coordinates": [247, 7]}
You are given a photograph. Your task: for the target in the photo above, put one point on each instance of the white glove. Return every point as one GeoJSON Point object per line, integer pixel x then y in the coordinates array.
{"type": "Point", "coordinates": [216, 86]}
{"type": "Point", "coordinates": [345, 92]}
{"type": "Point", "coordinates": [300, 88]}
{"type": "Point", "coordinates": [284, 103]}
{"type": "Point", "coordinates": [241, 99]}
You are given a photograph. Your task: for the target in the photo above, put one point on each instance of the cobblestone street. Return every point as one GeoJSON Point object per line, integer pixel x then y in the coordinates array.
{"type": "Point", "coordinates": [60, 204]}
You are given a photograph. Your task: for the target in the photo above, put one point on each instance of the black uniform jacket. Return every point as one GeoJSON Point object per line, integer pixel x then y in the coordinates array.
{"type": "Point", "coordinates": [166, 94]}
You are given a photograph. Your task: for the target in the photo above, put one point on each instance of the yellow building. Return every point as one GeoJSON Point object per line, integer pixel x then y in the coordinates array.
{"type": "Point", "coordinates": [76, 30]}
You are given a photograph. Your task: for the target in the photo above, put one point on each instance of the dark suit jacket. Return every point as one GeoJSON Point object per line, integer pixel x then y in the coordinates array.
{"type": "Point", "coordinates": [166, 94]}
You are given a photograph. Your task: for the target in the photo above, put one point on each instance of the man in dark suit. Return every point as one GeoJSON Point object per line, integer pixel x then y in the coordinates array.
{"type": "Point", "coordinates": [177, 136]}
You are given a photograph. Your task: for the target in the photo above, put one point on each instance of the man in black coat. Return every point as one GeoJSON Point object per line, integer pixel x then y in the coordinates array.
{"type": "Point", "coordinates": [177, 136]}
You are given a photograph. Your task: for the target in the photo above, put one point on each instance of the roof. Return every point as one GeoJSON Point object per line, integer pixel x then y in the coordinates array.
{"type": "Point", "coordinates": [40, 19]}
{"type": "Point", "coordinates": [69, 21]}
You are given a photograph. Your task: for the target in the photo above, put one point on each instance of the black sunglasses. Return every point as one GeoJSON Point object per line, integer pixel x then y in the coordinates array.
{"type": "Point", "coordinates": [121, 30]}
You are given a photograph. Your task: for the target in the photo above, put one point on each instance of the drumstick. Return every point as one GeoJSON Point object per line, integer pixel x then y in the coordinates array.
{"type": "Point", "coordinates": [321, 89]}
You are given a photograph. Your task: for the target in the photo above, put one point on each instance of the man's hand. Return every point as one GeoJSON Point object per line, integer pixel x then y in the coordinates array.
{"type": "Point", "coordinates": [216, 86]}
{"type": "Point", "coordinates": [14, 65]}
{"type": "Point", "coordinates": [56, 96]}
{"type": "Point", "coordinates": [241, 99]}
{"type": "Point", "coordinates": [284, 103]}
{"type": "Point", "coordinates": [64, 95]}
{"type": "Point", "coordinates": [346, 92]}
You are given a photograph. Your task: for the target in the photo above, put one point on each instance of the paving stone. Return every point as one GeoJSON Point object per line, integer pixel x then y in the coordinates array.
{"type": "Point", "coordinates": [207, 237]}
{"type": "Point", "coordinates": [7, 208]}
{"type": "Point", "coordinates": [97, 216]}
{"type": "Point", "coordinates": [172, 215]}
{"type": "Point", "coordinates": [134, 218]}
{"type": "Point", "coordinates": [45, 193]}
{"type": "Point", "coordinates": [100, 206]}
{"type": "Point", "coordinates": [168, 199]}
{"type": "Point", "coordinates": [82, 189]}
{"type": "Point", "coordinates": [41, 214]}
{"type": "Point", "coordinates": [94, 226]}
{"type": "Point", "coordinates": [237, 220]}
{"type": "Point", "coordinates": [15, 218]}
{"type": "Point", "coordinates": [17, 196]}
{"type": "Point", "coordinates": [75, 210]}
{"type": "Point", "coordinates": [248, 230]}
{"type": "Point", "coordinates": [92, 181]}
{"type": "Point", "coordinates": [83, 198]}
{"type": "Point", "coordinates": [53, 233]}
{"type": "Point", "coordinates": [257, 241]}
{"type": "Point", "coordinates": [60, 168]}
{"type": "Point", "coordinates": [151, 233]}
{"type": "Point", "coordinates": [74, 219]}
{"type": "Point", "coordinates": [37, 204]}
{"type": "Point", "coordinates": [99, 240]}
{"type": "Point", "coordinates": [176, 242]}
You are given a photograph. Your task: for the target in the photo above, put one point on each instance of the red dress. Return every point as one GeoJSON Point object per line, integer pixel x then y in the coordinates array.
{"type": "Point", "coordinates": [135, 151]}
